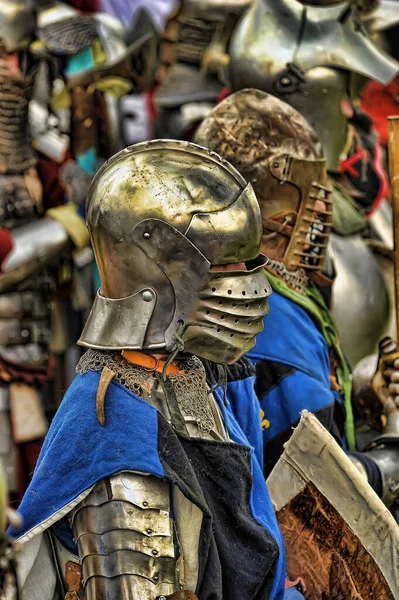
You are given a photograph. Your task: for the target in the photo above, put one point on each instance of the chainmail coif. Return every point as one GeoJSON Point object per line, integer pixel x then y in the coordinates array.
{"type": "Point", "coordinates": [190, 387]}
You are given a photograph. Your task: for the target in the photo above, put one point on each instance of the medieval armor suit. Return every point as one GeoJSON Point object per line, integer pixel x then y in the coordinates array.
{"type": "Point", "coordinates": [301, 366]}
{"type": "Point", "coordinates": [150, 477]}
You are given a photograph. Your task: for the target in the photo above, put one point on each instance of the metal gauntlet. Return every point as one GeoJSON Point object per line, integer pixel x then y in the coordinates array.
{"type": "Point", "coordinates": [124, 533]}
{"type": "Point", "coordinates": [387, 460]}
{"type": "Point", "coordinates": [384, 452]}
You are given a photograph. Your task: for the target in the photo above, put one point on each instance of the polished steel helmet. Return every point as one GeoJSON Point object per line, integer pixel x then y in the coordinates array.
{"type": "Point", "coordinates": [277, 151]}
{"type": "Point", "coordinates": [17, 24]}
{"type": "Point", "coordinates": [305, 54]}
{"type": "Point", "coordinates": [165, 218]}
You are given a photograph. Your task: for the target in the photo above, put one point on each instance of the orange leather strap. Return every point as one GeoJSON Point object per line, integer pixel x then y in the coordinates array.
{"type": "Point", "coordinates": [150, 362]}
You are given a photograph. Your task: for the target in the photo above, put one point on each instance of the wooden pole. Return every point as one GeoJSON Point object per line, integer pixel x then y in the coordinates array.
{"type": "Point", "coordinates": [393, 153]}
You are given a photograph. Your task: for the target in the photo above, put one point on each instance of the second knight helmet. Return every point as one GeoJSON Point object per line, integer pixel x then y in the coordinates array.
{"type": "Point", "coordinates": [276, 150]}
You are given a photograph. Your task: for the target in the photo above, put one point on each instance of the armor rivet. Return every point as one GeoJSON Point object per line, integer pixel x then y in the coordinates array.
{"type": "Point", "coordinates": [147, 296]}
{"type": "Point", "coordinates": [156, 577]}
{"type": "Point", "coordinates": [306, 94]}
{"type": "Point", "coordinates": [154, 552]}
{"type": "Point", "coordinates": [87, 123]}
{"type": "Point", "coordinates": [149, 530]}
{"type": "Point", "coordinates": [24, 333]}
{"type": "Point", "coordinates": [146, 235]}
{"type": "Point", "coordinates": [276, 165]}
{"type": "Point", "coordinates": [145, 503]}
{"type": "Point", "coordinates": [285, 81]}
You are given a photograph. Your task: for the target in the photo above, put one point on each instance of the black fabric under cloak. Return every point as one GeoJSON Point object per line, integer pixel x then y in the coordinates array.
{"type": "Point", "coordinates": [238, 557]}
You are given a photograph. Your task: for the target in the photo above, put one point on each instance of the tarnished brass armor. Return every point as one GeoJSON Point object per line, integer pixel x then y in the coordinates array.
{"type": "Point", "coordinates": [161, 214]}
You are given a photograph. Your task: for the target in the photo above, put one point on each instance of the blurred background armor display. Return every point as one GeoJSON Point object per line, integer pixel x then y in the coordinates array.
{"type": "Point", "coordinates": [194, 63]}
{"type": "Point", "coordinates": [306, 55]}
{"type": "Point", "coordinates": [62, 75]}
{"type": "Point", "coordinates": [273, 48]}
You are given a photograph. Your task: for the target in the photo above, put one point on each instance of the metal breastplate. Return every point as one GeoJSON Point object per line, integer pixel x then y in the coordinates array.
{"type": "Point", "coordinates": [16, 155]}
{"type": "Point", "coordinates": [304, 55]}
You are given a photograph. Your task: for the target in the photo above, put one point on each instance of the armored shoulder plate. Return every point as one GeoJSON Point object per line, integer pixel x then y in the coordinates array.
{"type": "Point", "coordinates": [362, 321]}
{"type": "Point", "coordinates": [124, 533]}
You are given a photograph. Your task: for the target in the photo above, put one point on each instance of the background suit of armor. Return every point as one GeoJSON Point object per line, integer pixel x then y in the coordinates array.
{"type": "Point", "coordinates": [194, 63]}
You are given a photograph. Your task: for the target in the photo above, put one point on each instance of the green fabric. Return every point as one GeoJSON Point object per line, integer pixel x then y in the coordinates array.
{"type": "Point", "coordinates": [348, 217]}
{"type": "Point", "coordinates": [315, 306]}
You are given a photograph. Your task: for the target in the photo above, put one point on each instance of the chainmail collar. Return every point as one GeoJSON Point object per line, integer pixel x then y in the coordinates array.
{"type": "Point", "coordinates": [190, 387]}
{"type": "Point", "coordinates": [297, 280]}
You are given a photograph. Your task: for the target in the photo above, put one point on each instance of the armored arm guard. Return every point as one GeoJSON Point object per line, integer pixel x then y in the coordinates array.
{"type": "Point", "coordinates": [374, 402]}
{"type": "Point", "coordinates": [34, 245]}
{"type": "Point", "coordinates": [386, 457]}
{"type": "Point", "coordinates": [124, 533]}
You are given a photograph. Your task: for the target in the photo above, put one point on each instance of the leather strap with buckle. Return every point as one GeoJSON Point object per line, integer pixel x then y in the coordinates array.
{"type": "Point", "coordinates": [150, 363]}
